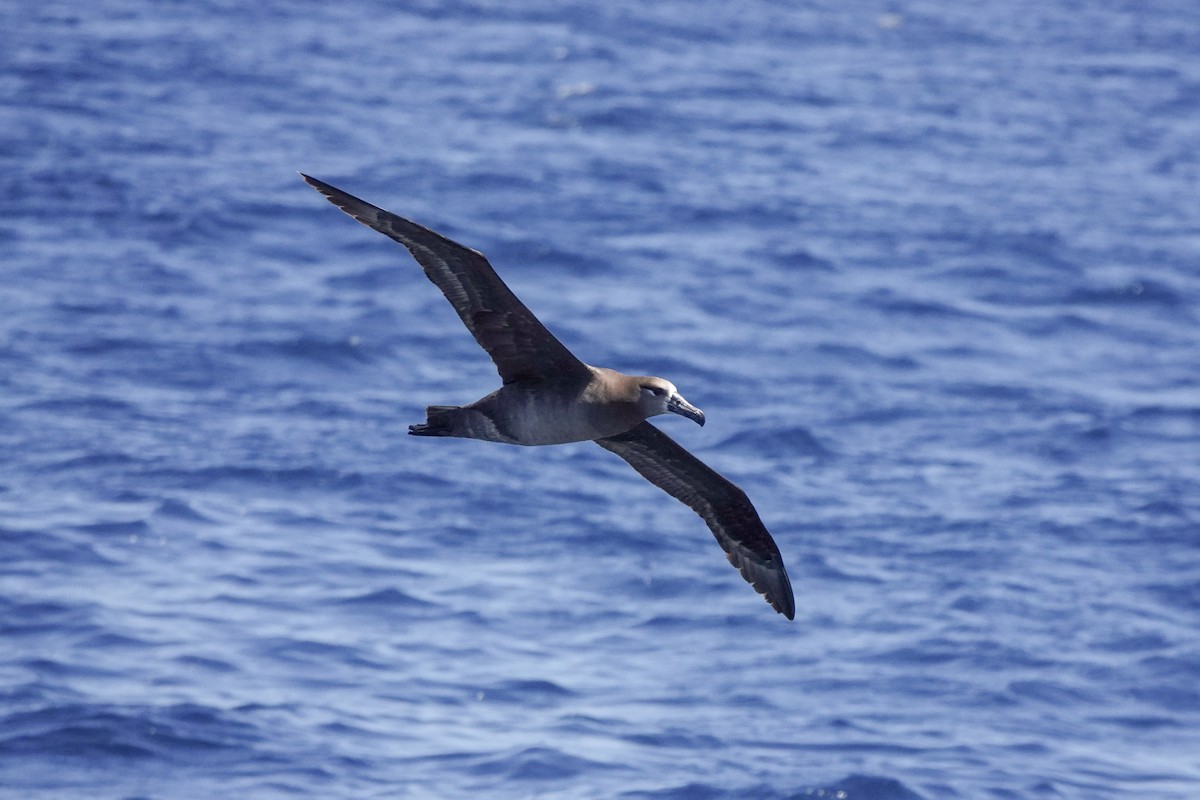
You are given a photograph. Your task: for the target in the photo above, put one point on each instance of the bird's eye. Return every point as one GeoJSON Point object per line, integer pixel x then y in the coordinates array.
{"type": "Point", "coordinates": [658, 391]}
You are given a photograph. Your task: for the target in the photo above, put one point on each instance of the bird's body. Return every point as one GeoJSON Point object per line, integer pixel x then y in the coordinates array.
{"type": "Point", "coordinates": [532, 413]}
{"type": "Point", "coordinates": [549, 396]}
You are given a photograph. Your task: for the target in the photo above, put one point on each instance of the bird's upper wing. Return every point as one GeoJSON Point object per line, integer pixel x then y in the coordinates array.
{"type": "Point", "coordinates": [724, 506]}
{"type": "Point", "coordinates": [517, 341]}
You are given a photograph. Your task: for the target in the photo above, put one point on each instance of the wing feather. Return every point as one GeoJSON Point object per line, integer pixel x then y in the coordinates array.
{"type": "Point", "coordinates": [725, 507]}
{"type": "Point", "coordinates": [519, 344]}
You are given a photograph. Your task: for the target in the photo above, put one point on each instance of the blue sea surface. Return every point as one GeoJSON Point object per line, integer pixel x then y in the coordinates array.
{"type": "Point", "coordinates": [932, 270]}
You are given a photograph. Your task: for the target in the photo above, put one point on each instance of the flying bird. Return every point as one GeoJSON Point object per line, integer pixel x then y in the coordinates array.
{"type": "Point", "coordinates": [549, 396]}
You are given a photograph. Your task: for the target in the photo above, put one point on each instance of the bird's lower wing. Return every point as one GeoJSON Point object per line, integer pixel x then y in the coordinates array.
{"type": "Point", "coordinates": [724, 506]}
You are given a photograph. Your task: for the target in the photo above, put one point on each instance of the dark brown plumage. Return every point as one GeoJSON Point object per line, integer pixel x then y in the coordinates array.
{"type": "Point", "coordinates": [549, 396]}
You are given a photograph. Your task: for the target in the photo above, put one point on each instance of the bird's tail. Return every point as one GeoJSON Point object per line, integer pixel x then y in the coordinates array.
{"type": "Point", "coordinates": [437, 422]}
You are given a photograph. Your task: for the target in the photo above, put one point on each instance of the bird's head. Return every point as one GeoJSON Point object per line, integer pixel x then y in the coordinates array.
{"type": "Point", "coordinates": [658, 396]}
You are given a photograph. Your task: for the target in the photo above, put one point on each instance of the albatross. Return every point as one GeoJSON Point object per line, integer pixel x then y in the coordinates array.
{"type": "Point", "coordinates": [549, 396]}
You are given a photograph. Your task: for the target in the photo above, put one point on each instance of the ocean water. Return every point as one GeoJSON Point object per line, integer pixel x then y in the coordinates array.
{"type": "Point", "coordinates": [931, 269]}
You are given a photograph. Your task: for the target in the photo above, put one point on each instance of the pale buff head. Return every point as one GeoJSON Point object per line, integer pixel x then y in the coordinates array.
{"type": "Point", "coordinates": [658, 396]}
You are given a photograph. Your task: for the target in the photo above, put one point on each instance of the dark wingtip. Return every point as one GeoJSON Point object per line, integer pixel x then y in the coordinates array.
{"type": "Point", "coordinates": [769, 579]}
{"type": "Point", "coordinates": [359, 209]}
{"type": "Point", "coordinates": [788, 610]}
{"type": "Point", "coordinates": [321, 186]}
{"type": "Point", "coordinates": [783, 601]}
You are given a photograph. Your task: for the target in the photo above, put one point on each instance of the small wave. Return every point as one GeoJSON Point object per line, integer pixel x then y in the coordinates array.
{"type": "Point", "coordinates": [872, 787]}
{"type": "Point", "coordinates": [799, 259]}
{"type": "Point", "coordinates": [344, 352]}
{"type": "Point", "coordinates": [241, 476]}
{"type": "Point", "coordinates": [43, 547]}
{"type": "Point", "coordinates": [88, 732]}
{"type": "Point", "coordinates": [309, 653]}
{"type": "Point", "coordinates": [91, 406]}
{"type": "Point", "coordinates": [677, 739]}
{"type": "Point", "coordinates": [861, 356]}
{"type": "Point", "coordinates": [129, 528]}
{"type": "Point", "coordinates": [537, 764]}
{"type": "Point", "coordinates": [853, 787]}
{"type": "Point", "coordinates": [688, 791]}
{"type": "Point", "coordinates": [1143, 723]}
{"type": "Point", "coordinates": [893, 303]}
{"type": "Point", "coordinates": [1138, 292]}
{"type": "Point", "coordinates": [390, 597]}
{"type": "Point", "coordinates": [534, 693]}
{"type": "Point", "coordinates": [533, 253]}
{"type": "Point", "coordinates": [1184, 595]}
{"type": "Point", "coordinates": [213, 665]}
{"type": "Point", "coordinates": [1052, 693]}
{"type": "Point", "coordinates": [1176, 423]}
{"type": "Point", "coordinates": [91, 461]}
{"type": "Point", "coordinates": [792, 442]}
{"type": "Point", "coordinates": [172, 508]}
